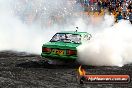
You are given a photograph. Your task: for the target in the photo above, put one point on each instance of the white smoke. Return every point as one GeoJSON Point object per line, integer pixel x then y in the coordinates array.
{"type": "Point", "coordinates": [23, 23]}
{"type": "Point", "coordinates": [111, 46]}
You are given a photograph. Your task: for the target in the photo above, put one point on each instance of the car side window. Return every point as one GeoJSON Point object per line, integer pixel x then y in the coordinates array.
{"type": "Point", "coordinates": [55, 37]}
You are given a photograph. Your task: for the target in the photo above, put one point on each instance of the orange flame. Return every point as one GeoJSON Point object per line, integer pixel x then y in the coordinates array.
{"type": "Point", "coordinates": [81, 71]}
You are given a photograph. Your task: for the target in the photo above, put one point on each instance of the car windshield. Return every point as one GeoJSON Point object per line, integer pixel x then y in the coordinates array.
{"type": "Point", "coordinates": [66, 37]}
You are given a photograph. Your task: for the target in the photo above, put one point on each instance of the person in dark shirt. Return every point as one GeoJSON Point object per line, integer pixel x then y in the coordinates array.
{"type": "Point", "coordinates": [124, 16]}
{"type": "Point", "coordinates": [104, 4]}
{"type": "Point", "coordinates": [119, 16]}
{"type": "Point", "coordinates": [130, 16]}
{"type": "Point", "coordinates": [130, 6]}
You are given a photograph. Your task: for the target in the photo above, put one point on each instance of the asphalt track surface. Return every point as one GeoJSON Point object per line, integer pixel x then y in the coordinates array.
{"type": "Point", "coordinates": [18, 70]}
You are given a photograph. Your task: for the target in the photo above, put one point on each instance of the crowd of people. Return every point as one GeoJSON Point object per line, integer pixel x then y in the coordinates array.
{"type": "Point", "coordinates": [121, 9]}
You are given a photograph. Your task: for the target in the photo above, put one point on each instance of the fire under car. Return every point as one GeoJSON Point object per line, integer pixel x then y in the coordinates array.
{"type": "Point", "coordinates": [62, 46]}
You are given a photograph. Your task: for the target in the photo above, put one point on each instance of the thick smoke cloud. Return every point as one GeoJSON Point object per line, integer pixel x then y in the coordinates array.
{"type": "Point", "coordinates": [26, 24]}
{"type": "Point", "coordinates": [111, 46]}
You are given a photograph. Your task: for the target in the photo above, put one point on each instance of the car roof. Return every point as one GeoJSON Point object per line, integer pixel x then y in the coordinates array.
{"type": "Point", "coordinates": [73, 32]}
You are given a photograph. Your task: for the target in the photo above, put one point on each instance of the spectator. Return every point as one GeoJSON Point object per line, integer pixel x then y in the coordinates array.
{"type": "Point", "coordinates": [124, 16]}
{"type": "Point", "coordinates": [119, 16]}
{"type": "Point", "coordinates": [110, 8]}
{"type": "Point", "coordinates": [124, 7]}
{"type": "Point", "coordinates": [130, 6]}
{"type": "Point", "coordinates": [121, 9]}
{"type": "Point", "coordinates": [99, 3]}
{"type": "Point", "coordinates": [104, 4]}
{"type": "Point", "coordinates": [114, 13]}
{"type": "Point", "coordinates": [130, 16]}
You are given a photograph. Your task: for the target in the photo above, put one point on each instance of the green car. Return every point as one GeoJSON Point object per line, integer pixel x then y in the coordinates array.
{"type": "Point", "coordinates": [63, 45]}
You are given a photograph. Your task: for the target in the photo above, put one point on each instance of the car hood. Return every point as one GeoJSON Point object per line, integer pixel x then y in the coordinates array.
{"type": "Point", "coordinates": [61, 45]}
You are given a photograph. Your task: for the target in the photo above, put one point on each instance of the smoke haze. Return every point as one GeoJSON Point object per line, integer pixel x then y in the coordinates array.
{"type": "Point", "coordinates": [27, 24]}
{"type": "Point", "coordinates": [110, 47]}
